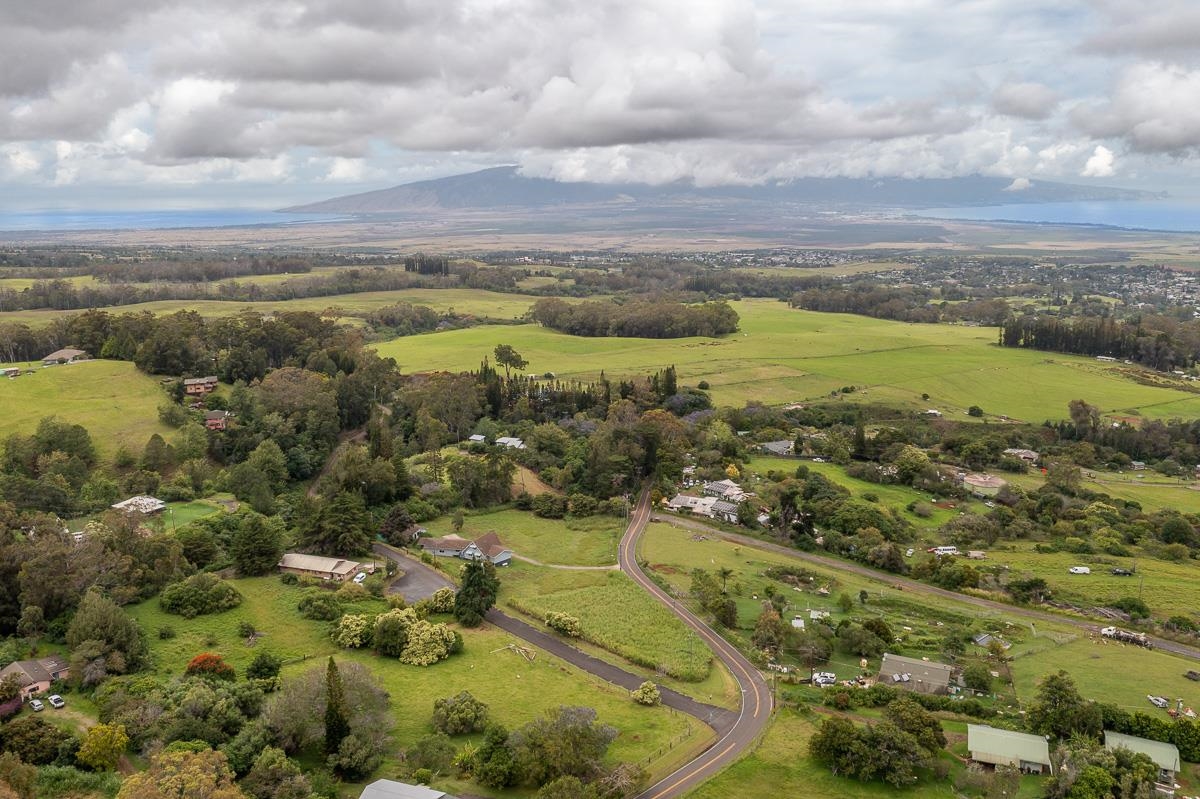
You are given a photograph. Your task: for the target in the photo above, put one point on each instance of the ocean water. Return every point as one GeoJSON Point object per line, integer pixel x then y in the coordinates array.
{"type": "Point", "coordinates": [150, 220]}
{"type": "Point", "coordinates": [1175, 216]}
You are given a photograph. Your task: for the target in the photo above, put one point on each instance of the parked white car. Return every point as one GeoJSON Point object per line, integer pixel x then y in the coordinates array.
{"type": "Point", "coordinates": [36, 705]}
{"type": "Point", "coordinates": [360, 578]}
{"type": "Point", "coordinates": [824, 678]}
{"type": "Point", "coordinates": [57, 701]}
{"type": "Point", "coordinates": [1079, 570]}
{"type": "Point", "coordinates": [1157, 701]}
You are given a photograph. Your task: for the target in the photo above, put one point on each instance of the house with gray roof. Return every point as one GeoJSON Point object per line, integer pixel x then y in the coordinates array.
{"type": "Point", "coordinates": [922, 676]}
{"type": "Point", "coordinates": [35, 676]}
{"type": "Point", "coordinates": [996, 747]}
{"type": "Point", "coordinates": [335, 569]}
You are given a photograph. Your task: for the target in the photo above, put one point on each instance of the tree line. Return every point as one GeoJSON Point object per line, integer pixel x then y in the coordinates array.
{"type": "Point", "coordinates": [1159, 342]}
{"type": "Point", "coordinates": [639, 318]}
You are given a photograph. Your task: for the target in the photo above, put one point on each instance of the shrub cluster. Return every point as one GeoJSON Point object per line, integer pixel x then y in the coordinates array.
{"type": "Point", "coordinates": [198, 595]}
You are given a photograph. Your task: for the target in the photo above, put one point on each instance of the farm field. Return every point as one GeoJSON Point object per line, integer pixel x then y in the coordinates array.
{"type": "Point", "coordinates": [785, 355]}
{"type": "Point", "coordinates": [1151, 490]}
{"type": "Point", "coordinates": [570, 542]}
{"type": "Point", "coordinates": [115, 402]}
{"type": "Point", "coordinates": [516, 689]}
{"type": "Point", "coordinates": [613, 613]}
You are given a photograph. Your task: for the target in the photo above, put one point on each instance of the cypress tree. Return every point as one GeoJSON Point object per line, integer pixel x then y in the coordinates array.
{"type": "Point", "coordinates": [337, 722]}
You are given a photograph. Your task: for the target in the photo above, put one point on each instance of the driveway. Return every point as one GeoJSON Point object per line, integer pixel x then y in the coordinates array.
{"type": "Point", "coordinates": [419, 581]}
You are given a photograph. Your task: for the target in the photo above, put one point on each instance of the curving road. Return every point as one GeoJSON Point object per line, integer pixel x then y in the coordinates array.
{"type": "Point", "coordinates": [756, 694]}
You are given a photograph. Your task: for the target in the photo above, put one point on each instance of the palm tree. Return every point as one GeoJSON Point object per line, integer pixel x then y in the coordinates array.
{"type": "Point", "coordinates": [724, 573]}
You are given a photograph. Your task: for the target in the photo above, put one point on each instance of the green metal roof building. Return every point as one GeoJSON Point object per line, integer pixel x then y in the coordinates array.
{"type": "Point", "coordinates": [1164, 755]}
{"type": "Point", "coordinates": [1029, 753]}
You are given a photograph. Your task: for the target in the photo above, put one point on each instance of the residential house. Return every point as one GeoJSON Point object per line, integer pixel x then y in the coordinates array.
{"type": "Point", "coordinates": [477, 439]}
{"type": "Point", "coordinates": [510, 442]}
{"type": "Point", "coordinates": [195, 386]}
{"type": "Point", "coordinates": [1027, 455]}
{"type": "Point", "coordinates": [1029, 753]}
{"type": "Point", "coordinates": [144, 505]}
{"type": "Point", "coordinates": [778, 447]}
{"type": "Point", "coordinates": [1164, 755]}
{"type": "Point", "coordinates": [725, 489]}
{"type": "Point", "coordinates": [35, 676]}
{"type": "Point", "coordinates": [487, 547]}
{"type": "Point", "coordinates": [701, 506]}
{"type": "Point", "coordinates": [1137, 466]}
{"type": "Point", "coordinates": [725, 511]}
{"type": "Point", "coordinates": [922, 676]}
{"type": "Point", "coordinates": [216, 420]}
{"type": "Point", "coordinates": [332, 569]}
{"type": "Point", "coordinates": [65, 355]}
{"type": "Point", "coordinates": [390, 789]}
{"type": "Point", "coordinates": [983, 485]}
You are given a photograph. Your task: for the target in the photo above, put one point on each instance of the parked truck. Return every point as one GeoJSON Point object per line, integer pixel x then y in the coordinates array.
{"type": "Point", "coordinates": [1126, 636]}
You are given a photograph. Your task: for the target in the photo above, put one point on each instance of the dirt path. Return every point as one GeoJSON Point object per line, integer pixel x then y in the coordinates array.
{"type": "Point", "coordinates": [609, 568]}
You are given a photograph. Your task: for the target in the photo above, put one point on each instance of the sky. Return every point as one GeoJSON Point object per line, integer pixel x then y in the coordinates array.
{"type": "Point", "coordinates": [141, 104]}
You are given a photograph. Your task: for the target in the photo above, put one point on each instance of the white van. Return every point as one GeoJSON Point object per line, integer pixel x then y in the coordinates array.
{"type": "Point", "coordinates": [1079, 570]}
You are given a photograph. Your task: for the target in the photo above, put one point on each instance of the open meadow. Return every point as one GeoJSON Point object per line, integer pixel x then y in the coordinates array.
{"type": "Point", "coordinates": [785, 355]}
{"type": "Point", "coordinates": [591, 541]}
{"type": "Point", "coordinates": [515, 687]}
{"type": "Point", "coordinates": [115, 402]}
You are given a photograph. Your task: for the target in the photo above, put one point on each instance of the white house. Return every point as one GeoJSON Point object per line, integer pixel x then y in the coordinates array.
{"type": "Point", "coordinates": [725, 489]}
{"type": "Point", "coordinates": [510, 442]}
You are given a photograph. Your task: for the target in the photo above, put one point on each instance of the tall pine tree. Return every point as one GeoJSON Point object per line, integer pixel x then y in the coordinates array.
{"type": "Point", "coordinates": [477, 594]}
{"type": "Point", "coordinates": [337, 720]}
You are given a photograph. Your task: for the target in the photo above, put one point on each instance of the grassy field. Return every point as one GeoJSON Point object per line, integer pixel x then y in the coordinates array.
{"type": "Point", "coordinates": [572, 542]}
{"type": "Point", "coordinates": [515, 689]}
{"type": "Point", "coordinates": [115, 402]}
{"type": "Point", "coordinates": [613, 613]}
{"type": "Point", "coordinates": [785, 355]}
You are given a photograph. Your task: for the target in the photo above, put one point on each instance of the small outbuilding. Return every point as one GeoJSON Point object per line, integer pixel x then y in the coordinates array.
{"type": "Point", "coordinates": [996, 747]}
{"type": "Point", "coordinates": [65, 355]}
{"type": "Point", "coordinates": [147, 506]}
{"type": "Point", "coordinates": [1164, 755]}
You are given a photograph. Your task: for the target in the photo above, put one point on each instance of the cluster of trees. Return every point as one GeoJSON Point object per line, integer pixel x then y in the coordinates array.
{"type": "Point", "coordinates": [901, 303]}
{"type": "Point", "coordinates": [1159, 342]}
{"type": "Point", "coordinates": [636, 318]}
{"type": "Point", "coordinates": [908, 738]}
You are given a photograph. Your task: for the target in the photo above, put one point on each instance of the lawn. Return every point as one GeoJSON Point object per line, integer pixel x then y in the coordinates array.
{"type": "Point", "coordinates": [613, 613]}
{"type": "Point", "coordinates": [180, 513]}
{"type": "Point", "coordinates": [115, 402]}
{"type": "Point", "coordinates": [591, 541]}
{"type": "Point", "coordinates": [516, 689]}
{"type": "Point", "coordinates": [786, 355]}
{"type": "Point", "coordinates": [1109, 672]}
{"type": "Point", "coordinates": [1168, 588]}
{"type": "Point", "coordinates": [1149, 489]}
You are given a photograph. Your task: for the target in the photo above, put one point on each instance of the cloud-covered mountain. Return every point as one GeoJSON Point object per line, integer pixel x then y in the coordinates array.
{"type": "Point", "coordinates": [505, 188]}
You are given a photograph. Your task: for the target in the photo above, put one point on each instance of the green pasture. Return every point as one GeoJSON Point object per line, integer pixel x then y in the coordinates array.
{"type": "Point", "coordinates": [1169, 588]}
{"type": "Point", "coordinates": [572, 542]}
{"type": "Point", "coordinates": [613, 613]}
{"type": "Point", "coordinates": [785, 355]}
{"type": "Point", "coordinates": [1149, 489]}
{"type": "Point", "coordinates": [515, 688]}
{"type": "Point", "coordinates": [1108, 672]}
{"type": "Point", "coordinates": [115, 402]}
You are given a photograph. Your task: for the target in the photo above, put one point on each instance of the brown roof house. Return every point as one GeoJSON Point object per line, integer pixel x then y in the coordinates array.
{"type": "Point", "coordinates": [65, 355]}
{"type": "Point", "coordinates": [334, 569]}
{"type": "Point", "coordinates": [216, 420]}
{"type": "Point", "coordinates": [35, 676]}
{"type": "Point", "coordinates": [922, 676]}
{"type": "Point", "coordinates": [200, 385]}
{"type": "Point", "coordinates": [487, 547]}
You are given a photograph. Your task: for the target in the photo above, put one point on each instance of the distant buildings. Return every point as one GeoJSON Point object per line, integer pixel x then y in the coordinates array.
{"type": "Point", "coordinates": [1027, 455]}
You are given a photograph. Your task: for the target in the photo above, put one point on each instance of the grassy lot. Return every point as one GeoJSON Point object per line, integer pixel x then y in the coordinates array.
{"type": "Point", "coordinates": [786, 355]}
{"type": "Point", "coordinates": [896, 497]}
{"type": "Point", "coordinates": [1151, 490]}
{"type": "Point", "coordinates": [515, 688]}
{"type": "Point", "coordinates": [181, 513]}
{"type": "Point", "coordinates": [115, 402]}
{"type": "Point", "coordinates": [572, 542]}
{"type": "Point", "coordinates": [613, 613]}
{"type": "Point", "coordinates": [1109, 672]}
{"type": "Point", "coordinates": [1168, 588]}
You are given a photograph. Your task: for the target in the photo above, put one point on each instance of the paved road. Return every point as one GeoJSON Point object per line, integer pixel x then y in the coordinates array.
{"type": "Point", "coordinates": [756, 694]}
{"type": "Point", "coordinates": [419, 581]}
{"type": "Point", "coordinates": [905, 584]}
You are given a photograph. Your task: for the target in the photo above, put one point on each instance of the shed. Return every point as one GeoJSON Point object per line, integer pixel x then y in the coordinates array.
{"type": "Point", "coordinates": [65, 355]}
{"type": "Point", "coordinates": [923, 676]}
{"type": "Point", "coordinates": [1029, 753]}
{"type": "Point", "coordinates": [141, 504]}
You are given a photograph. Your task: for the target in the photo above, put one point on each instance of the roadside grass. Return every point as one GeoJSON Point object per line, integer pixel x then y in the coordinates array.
{"type": "Point", "coordinates": [1168, 588]}
{"type": "Point", "coordinates": [516, 689]}
{"type": "Point", "coordinates": [115, 402]}
{"type": "Point", "coordinates": [787, 355]}
{"type": "Point", "coordinates": [1109, 672]}
{"type": "Point", "coordinates": [590, 541]}
{"type": "Point", "coordinates": [613, 613]}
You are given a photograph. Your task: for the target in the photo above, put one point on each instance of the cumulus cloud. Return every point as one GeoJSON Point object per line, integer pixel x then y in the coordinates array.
{"type": "Point", "coordinates": [1101, 163]}
{"type": "Point", "coordinates": [1152, 108]}
{"type": "Point", "coordinates": [1019, 184]}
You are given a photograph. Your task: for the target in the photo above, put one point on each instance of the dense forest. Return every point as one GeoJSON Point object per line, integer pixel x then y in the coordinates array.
{"type": "Point", "coordinates": [1159, 342]}
{"type": "Point", "coordinates": [638, 318]}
